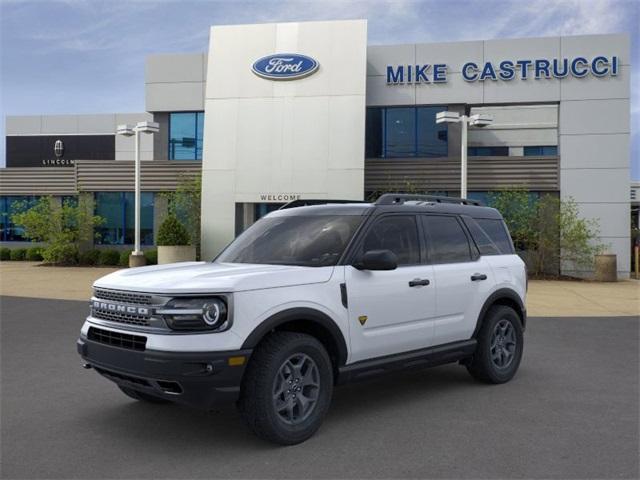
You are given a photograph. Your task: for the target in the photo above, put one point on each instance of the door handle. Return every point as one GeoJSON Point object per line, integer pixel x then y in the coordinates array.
{"type": "Point", "coordinates": [419, 282]}
{"type": "Point", "coordinates": [478, 276]}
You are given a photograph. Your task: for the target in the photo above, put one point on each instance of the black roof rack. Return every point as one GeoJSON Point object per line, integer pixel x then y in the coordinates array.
{"type": "Point", "coordinates": [307, 202]}
{"type": "Point", "coordinates": [400, 198]}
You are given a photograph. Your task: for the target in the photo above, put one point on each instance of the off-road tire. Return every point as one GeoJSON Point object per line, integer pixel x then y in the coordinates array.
{"type": "Point", "coordinates": [141, 396]}
{"type": "Point", "coordinates": [257, 404]}
{"type": "Point", "coordinates": [482, 365]}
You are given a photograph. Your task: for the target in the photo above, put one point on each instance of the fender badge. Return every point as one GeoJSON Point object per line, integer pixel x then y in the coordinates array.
{"type": "Point", "coordinates": [362, 319]}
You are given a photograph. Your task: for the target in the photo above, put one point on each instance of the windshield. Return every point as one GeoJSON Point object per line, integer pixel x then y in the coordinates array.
{"type": "Point", "coordinates": [310, 241]}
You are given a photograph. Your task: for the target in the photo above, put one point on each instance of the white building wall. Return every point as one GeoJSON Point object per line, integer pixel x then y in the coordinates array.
{"type": "Point", "coordinates": [303, 137]}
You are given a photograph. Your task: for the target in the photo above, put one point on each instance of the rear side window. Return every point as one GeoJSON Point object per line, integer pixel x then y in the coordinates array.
{"type": "Point", "coordinates": [446, 239]}
{"type": "Point", "coordinates": [398, 233]}
{"type": "Point", "coordinates": [485, 245]}
{"type": "Point", "coordinates": [497, 232]}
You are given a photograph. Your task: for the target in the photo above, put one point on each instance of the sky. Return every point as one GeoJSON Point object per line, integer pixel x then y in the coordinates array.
{"type": "Point", "coordinates": [88, 56]}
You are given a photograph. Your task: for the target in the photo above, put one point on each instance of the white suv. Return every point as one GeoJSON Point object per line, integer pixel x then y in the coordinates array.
{"type": "Point", "coordinates": [312, 296]}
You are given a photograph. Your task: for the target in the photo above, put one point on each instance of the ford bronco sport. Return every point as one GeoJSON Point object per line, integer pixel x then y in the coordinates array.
{"type": "Point", "coordinates": [310, 297]}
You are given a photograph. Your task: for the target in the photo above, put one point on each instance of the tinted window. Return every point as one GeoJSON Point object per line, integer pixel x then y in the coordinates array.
{"type": "Point", "coordinates": [311, 241]}
{"type": "Point", "coordinates": [483, 242]}
{"type": "Point", "coordinates": [488, 151]}
{"type": "Point", "coordinates": [497, 232]}
{"type": "Point", "coordinates": [542, 151]}
{"type": "Point", "coordinates": [405, 132]}
{"type": "Point", "coordinates": [447, 240]}
{"type": "Point", "coordinates": [398, 234]}
{"type": "Point", "coordinates": [117, 211]}
{"type": "Point", "coordinates": [185, 135]}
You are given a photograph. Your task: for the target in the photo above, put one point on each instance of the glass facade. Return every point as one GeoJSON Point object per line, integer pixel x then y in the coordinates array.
{"type": "Point", "coordinates": [10, 232]}
{"type": "Point", "coordinates": [541, 151]}
{"type": "Point", "coordinates": [405, 132]}
{"type": "Point", "coordinates": [488, 151]}
{"type": "Point", "coordinates": [117, 209]}
{"type": "Point", "coordinates": [185, 135]}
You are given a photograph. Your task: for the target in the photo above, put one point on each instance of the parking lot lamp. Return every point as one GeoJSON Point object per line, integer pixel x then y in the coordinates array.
{"type": "Point", "coordinates": [136, 259]}
{"type": "Point", "coordinates": [477, 120]}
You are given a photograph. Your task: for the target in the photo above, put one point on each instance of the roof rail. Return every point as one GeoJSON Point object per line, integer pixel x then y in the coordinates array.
{"type": "Point", "coordinates": [307, 202]}
{"type": "Point", "coordinates": [400, 198]}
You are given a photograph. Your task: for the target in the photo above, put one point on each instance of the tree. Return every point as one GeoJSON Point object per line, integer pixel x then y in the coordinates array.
{"type": "Point", "coordinates": [184, 203]}
{"type": "Point", "coordinates": [61, 227]}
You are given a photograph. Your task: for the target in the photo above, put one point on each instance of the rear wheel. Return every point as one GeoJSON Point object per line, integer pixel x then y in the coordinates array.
{"type": "Point", "coordinates": [141, 396]}
{"type": "Point", "coordinates": [287, 388]}
{"type": "Point", "coordinates": [500, 346]}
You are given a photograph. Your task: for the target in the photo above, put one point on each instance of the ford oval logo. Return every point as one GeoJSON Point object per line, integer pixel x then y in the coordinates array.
{"type": "Point", "coordinates": [285, 66]}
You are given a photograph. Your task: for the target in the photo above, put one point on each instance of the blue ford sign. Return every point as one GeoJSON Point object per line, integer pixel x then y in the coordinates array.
{"type": "Point", "coordinates": [285, 66]}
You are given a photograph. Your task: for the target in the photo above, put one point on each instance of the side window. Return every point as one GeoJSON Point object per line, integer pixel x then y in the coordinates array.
{"type": "Point", "coordinates": [448, 242]}
{"type": "Point", "coordinates": [498, 233]}
{"type": "Point", "coordinates": [398, 233]}
{"type": "Point", "coordinates": [484, 243]}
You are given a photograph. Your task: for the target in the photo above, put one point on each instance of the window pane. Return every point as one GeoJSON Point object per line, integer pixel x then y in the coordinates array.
{"type": "Point", "coordinates": [373, 134]}
{"type": "Point", "coordinates": [448, 241]}
{"type": "Point", "coordinates": [432, 137]}
{"type": "Point", "coordinates": [146, 218]}
{"type": "Point", "coordinates": [488, 151]}
{"type": "Point", "coordinates": [541, 151]}
{"type": "Point", "coordinates": [481, 238]}
{"type": "Point", "coordinates": [109, 207]}
{"type": "Point", "coordinates": [199, 135]}
{"type": "Point", "coordinates": [498, 233]}
{"type": "Point", "coordinates": [398, 234]}
{"type": "Point", "coordinates": [184, 138]}
{"type": "Point", "coordinates": [9, 206]}
{"type": "Point", "coordinates": [313, 241]}
{"type": "Point", "coordinates": [400, 128]}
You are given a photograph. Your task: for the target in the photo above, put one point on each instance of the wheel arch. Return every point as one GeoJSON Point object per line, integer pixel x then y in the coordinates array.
{"type": "Point", "coordinates": [304, 320]}
{"type": "Point", "coordinates": [506, 297]}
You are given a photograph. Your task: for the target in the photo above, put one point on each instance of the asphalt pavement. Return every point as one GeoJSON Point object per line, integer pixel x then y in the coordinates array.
{"type": "Point", "coordinates": [572, 411]}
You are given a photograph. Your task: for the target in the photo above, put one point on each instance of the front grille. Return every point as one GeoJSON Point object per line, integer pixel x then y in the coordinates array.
{"type": "Point", "coordinates": [124, 297]}
{"type": "Point", "coordinates": [117, 339]}
{"type": "Point", "coordinates": [127, 318]}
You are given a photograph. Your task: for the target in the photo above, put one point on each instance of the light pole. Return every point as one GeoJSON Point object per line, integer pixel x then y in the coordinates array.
{"type": "Point", "coordinates": [477, 120]}
{"type": "Point", "coordinates": [136, 259]}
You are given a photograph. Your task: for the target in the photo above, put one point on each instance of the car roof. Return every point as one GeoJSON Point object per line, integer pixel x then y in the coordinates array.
{"type": "Point", "coordinates": [471, 210]}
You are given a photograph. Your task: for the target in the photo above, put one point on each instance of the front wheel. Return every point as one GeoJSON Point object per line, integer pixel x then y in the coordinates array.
{"type": "Point", "coordinates": [287, 388]}
{"type": "Point", "coordinates": [500, 346]}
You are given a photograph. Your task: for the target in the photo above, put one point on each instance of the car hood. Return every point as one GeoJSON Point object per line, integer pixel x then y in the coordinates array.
{"type": "Point", "coordinates": [207, 277]}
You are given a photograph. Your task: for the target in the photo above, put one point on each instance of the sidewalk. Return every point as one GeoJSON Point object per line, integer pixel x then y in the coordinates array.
{"type": "Point", "coordinates": [546, 298]}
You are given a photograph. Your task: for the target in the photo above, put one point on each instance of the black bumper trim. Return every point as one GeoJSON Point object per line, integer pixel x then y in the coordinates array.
{"type": "Point", "coordinates": [196, 379]}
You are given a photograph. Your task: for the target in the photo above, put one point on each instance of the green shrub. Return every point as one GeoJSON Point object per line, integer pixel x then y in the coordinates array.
{"type": "Point", "coordinates": [5, 253]}
{"type": "Point", "coordinates": [109, 257]}
{"type": "Point", "coordinates": [18, 254]}
{"type": "Point", "coordinates": [34, 254]}
{"type": "Point", "coordinates": [57, 254]}
{"type": "Point", "coordinates": [124, 258]}
{"type": "Point", "coordinates": [172, 232]}
{"type": "Point", "coordinates": [90, 257]}
{"type": "Point", "coordinates": [151, 257]}
{"type": "Point", "coordinates": [62, 228]}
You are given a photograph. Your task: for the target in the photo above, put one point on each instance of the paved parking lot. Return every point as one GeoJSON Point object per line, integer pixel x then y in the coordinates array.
{"type": "Point", "coordinates": [571, 412]}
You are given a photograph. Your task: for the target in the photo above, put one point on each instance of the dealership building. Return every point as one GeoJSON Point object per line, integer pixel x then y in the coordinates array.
{"type": "Point", "coordinates": [276, 112]}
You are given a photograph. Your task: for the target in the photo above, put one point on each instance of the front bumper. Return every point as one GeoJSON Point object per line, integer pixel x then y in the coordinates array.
{"type": "Point", "coordinates": [196, 379]}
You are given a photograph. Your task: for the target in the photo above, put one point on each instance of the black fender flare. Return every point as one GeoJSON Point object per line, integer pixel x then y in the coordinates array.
{"type": "Point", "coordinates": [300, 314]}
{"type": "Point", "coordinates": [512, 297]}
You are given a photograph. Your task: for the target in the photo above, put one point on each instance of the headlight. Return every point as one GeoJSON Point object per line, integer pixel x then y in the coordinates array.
{"type": "Point", "coordinates": [196, 314]}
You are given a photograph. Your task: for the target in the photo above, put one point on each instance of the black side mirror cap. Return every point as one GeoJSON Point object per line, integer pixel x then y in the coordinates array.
{"type": "Point", "coordinates": [377, 260]}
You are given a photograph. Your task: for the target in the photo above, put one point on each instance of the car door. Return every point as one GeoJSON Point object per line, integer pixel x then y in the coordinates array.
{"type": "Point", "coordinates": [462, 278]}
{"type": "Point", "coordinates": [390, 311]}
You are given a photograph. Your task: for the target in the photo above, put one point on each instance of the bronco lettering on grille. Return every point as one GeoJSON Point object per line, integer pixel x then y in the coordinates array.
{"type": "Point", "coordinates": [114, 307]}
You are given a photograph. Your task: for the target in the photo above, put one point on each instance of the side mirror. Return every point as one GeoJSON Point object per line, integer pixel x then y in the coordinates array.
{"type": "Point", "coordinates": [377, 260]}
